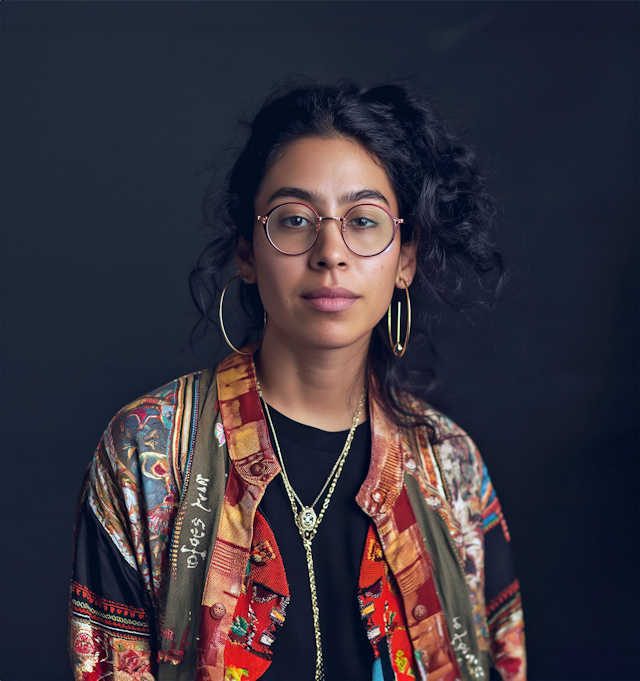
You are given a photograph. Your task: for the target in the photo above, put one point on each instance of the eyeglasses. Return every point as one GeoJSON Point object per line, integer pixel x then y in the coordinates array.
{"type": "Point", "coordinates": [367, 230]}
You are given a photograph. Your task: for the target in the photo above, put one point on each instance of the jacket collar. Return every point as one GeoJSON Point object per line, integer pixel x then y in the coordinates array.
{"type": "Point", "coordinates": [255, 461]}
{"type": "Point", "coordinates": [383, 484]}
{"type": "Point", "coordinates": [245, 426]}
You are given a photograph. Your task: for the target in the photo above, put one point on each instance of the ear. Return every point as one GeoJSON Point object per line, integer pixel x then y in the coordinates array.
{"type": "Point", "coordinates": [245, 262]}
{"type": "Point", "coordinates": [407, 263]}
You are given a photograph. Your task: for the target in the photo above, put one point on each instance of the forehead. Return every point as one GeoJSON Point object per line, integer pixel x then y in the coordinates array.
{"type": "Point", "coordinates": [328, 168]}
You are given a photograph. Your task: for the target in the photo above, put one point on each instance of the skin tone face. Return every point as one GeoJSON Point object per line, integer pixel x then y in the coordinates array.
{"type": "Point", "coordinates": [323, 304]}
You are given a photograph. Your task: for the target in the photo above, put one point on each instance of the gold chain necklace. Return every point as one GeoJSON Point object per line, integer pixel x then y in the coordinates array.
{"type": "Point", "coordinates": [306, 520]}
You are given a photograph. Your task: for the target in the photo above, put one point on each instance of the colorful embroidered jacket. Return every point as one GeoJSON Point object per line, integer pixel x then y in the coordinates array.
{"type": "Point", "coordinates": [131, 507]}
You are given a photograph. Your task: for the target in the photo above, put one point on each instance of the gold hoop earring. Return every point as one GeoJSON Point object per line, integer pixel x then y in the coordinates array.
{"type": "Point", "coordinates": [397, 348]}
{"type": "Point", "coordinates": [224, 333]}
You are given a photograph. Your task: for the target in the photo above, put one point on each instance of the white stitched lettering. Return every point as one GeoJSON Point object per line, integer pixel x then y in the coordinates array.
{"type": "Point", "coordinates": [192, 560]}
{"type": "Point", "coordinates": [458, 644]}
{"type": "Point", "coordinates": [199, 503]}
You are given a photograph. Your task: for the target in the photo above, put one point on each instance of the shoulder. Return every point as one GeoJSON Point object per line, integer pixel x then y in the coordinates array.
{"type": "Point", "coordinates": [454, 451]}
{"type": "Point", "coordinates": [441, 428]}
{"type": "Point", "coordinates": [155, 409]}
{"type": "Point", "coordinates": [157, 423]}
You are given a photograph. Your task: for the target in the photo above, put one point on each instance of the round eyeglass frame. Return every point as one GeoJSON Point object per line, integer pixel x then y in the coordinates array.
{"type": "Point", "coordinates": [264, 219]}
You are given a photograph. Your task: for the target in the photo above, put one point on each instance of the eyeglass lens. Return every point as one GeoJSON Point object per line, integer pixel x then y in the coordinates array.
{"type": "Point", "coordinates": [292, 229]}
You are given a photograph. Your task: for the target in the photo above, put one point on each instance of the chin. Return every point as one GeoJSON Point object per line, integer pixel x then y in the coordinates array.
{"type": "Point", "coordinates": [331, 341]}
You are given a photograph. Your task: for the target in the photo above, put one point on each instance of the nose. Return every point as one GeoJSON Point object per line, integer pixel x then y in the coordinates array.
{"type": "Point", "coordinates": [330, 250]}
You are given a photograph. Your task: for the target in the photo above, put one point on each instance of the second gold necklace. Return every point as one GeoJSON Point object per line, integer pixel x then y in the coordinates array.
{"type": "Point", "coordinates": [306, 520]}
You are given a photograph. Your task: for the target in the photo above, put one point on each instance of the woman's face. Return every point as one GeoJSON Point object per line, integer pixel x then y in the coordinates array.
{"type": "Point", "coordinates": [331, 175]}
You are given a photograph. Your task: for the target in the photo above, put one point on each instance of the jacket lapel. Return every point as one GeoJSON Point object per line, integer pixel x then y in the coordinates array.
{"type": "Point", "coordinates": [253, 466]}
{"type": "Point", "coordinates": [383, 497]}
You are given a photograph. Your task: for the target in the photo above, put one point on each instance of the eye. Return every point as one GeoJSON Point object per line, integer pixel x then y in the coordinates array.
{"type": "Point", "coordinates": [363, 223]}
{"type": "Point", "coordinates": [292, 217]}
{"type": "Point", "coordinates": [367, 218]}
{"type": "Point", "coordinates": [296, 222]}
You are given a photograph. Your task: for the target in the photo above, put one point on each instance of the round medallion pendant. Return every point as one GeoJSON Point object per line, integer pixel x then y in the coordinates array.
{"type": "Point", "coordinates": [307, 519]}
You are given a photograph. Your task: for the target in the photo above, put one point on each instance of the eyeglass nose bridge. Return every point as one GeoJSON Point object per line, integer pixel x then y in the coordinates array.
{"type": "Point", "coordinates": [343, 222]}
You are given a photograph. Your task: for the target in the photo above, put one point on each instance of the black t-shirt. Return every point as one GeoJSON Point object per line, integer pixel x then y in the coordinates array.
{"type": "Point", "coordinates": [309, 455]}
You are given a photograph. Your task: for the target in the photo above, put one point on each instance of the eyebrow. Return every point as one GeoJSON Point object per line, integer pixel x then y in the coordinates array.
{"type": "Point", "coordinates": [313, 197]}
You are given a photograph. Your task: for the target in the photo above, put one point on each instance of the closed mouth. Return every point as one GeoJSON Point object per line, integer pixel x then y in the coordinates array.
{"type": "Point", "coordinates": [330, 292]}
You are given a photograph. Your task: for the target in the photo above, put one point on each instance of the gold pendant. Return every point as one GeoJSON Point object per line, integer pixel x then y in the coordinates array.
{"type": "Point", "coordinates": [306, 519]}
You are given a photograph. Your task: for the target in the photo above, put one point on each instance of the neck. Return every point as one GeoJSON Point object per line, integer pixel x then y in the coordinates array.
{"type": "Point", "coordinates": [317, 387]}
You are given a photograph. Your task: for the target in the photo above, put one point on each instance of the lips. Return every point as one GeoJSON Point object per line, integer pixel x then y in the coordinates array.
{"type": "Point", "coordinates": [330, 292]}
{"type": "Point", "coordinates": [330, 299]}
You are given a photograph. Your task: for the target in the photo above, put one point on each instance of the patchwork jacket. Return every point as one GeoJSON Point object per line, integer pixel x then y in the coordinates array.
{"type": "Point", "coordinates": [436, 524]}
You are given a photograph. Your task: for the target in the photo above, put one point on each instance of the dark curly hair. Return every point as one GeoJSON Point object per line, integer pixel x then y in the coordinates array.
{"type": "Point", "coordinates": [442, 197]}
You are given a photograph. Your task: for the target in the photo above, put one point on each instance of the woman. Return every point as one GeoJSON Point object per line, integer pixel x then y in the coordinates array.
{"type": "Point", "coordinates": [299, 511]}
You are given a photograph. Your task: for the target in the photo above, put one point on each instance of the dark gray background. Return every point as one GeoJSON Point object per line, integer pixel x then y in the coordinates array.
{"type": "Point", "coordinates": [109, 112]}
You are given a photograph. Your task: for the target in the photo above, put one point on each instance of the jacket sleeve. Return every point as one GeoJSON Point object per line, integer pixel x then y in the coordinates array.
{"type": "Point", "coordinates": [123, 531]}
{"type": "Point", "coordinates": [111, 618]}
{"type": "Point", "coordinates": [501, 589]}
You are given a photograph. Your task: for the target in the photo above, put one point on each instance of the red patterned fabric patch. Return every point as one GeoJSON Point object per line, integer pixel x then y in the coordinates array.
{"type": "Point", "coordinates": [260, 610]}
{"type": "Point", "coordinates": [382, 610]}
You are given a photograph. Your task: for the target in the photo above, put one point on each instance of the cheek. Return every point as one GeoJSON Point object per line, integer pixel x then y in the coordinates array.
{"type": "Point", "coordinates": [381, 278]}
{"type": "Point", "coordinates": [266, 267]}
{"type": "Point", "coordinates": [382, 275]}
{"type": "Point", "coordinates": [277, 277]}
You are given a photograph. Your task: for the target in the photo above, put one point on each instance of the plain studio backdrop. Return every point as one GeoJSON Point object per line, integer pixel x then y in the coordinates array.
{"type": "Point", "coordinates": [111, 111]}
